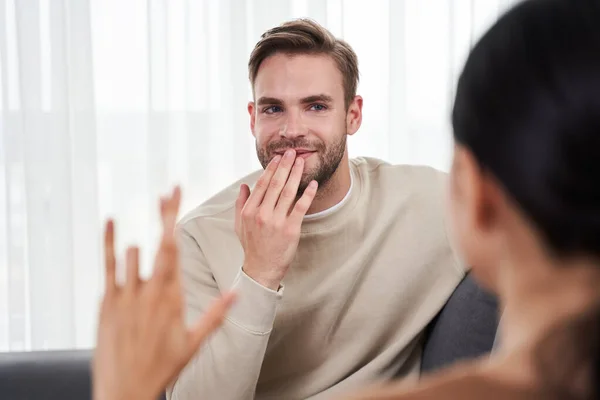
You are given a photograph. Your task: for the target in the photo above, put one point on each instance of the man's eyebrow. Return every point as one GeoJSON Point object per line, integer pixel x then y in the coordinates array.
{"type": "Point", "coordinates": [269, 100]}
{"type": "Point", "coordinates": [324, 98]}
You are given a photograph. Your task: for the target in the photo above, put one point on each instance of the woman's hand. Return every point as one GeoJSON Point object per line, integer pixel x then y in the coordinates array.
{"type": "Point", "coordinates": [143, 341]}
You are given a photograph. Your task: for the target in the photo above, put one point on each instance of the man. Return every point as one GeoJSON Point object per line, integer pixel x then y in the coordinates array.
{"type": "Point", "coordinates": [338, 264]}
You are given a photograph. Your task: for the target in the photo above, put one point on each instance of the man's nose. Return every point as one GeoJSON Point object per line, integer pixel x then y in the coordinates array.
{"type": "Point", "coordinates": [293, 127]}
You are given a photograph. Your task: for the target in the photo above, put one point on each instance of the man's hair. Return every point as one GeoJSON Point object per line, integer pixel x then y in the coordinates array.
{"type": "Point", "coordinates": [304, 36]}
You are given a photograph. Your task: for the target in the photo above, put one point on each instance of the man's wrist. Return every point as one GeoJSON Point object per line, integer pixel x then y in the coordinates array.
{"type": "Point", "coordinates": [264, 280]}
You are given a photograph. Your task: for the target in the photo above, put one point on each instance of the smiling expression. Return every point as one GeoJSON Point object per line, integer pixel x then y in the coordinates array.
{"type": "Point", "coordinates": [300, 105]}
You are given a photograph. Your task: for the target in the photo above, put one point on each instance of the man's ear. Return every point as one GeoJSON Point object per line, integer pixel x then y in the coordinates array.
{"type": "Point", "coordinates": [354, 115]}
{"type": "Point", "coordinates": [252, 113]}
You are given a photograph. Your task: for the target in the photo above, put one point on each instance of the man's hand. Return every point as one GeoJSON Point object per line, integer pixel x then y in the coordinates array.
{"type": "Point", "coordinates": [143, 342]}
{"type": "Point", "coordinates": [268, 222]}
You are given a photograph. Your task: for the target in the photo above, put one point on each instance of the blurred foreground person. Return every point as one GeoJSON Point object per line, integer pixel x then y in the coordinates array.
{"type": "Point", "coordinates": [525, 203]}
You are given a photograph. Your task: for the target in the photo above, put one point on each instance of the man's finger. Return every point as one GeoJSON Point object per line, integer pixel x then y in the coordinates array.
{"type": "Point", "coordinates": [290, 190]}
{"type": "Point", "coordinates": [132, 265]}
{"type": "Point", "coordinates": [279, 180]}
{"type": "Point", "coordinates": [210, 321]}
{"type": "Point", "coordinates": [303, 204]}
{"type": "Point", "coordinates": [239, 205]}
{"type": "Point", "coordinates": [258, 193]}
{"type": "Point", "coordinates": [110, 261]}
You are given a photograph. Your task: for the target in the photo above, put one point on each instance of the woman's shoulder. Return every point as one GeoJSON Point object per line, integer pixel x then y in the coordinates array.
{"type": "Point", "coordinates": [473, 380]}
{"type": "Point", "coordinates": [481, 379]}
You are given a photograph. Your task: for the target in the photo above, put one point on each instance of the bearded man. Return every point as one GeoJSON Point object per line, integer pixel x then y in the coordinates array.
{"type": "Point", "coordinates": [339, 264]}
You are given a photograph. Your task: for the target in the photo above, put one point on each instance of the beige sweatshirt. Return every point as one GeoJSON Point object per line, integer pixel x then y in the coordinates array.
{"type": "Point", "coordinates": [368, 277]}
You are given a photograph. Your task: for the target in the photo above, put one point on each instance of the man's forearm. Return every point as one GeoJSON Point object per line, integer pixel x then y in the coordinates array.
{"type": "Point", "coordinates": [221, 373]}
{"type": "Point", "coordinates": [229, 365]}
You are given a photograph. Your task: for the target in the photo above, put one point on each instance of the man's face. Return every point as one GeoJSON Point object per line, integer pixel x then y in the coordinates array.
{"type": "Point", "coordinates": [299, 104]}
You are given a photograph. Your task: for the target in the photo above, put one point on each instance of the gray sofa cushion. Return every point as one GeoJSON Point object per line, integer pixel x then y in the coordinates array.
{"type": "Point", "coordinates": [46, 375]}
{"type": "Point", "coordinates": [464, 329]}
{"type": "Point", "coordinates": [50, 375]}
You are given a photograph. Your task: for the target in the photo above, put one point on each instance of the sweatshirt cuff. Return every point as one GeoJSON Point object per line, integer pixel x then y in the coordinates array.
{"type": "Point", "coordinates": [256, 305]}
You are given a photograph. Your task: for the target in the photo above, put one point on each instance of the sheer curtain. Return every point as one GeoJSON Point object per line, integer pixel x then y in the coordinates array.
{"type": "Point", "coordinates": [105, 104]}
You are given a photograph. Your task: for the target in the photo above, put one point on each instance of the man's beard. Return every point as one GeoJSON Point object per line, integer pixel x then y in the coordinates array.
{"type": "Point", "coordinates": [330, 158]}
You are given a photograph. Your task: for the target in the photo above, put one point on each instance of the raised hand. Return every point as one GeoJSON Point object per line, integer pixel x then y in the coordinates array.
{"type": "Point", "coordinates": [143, 342]}
{"type": "Point", "coordinates": [268, 220]}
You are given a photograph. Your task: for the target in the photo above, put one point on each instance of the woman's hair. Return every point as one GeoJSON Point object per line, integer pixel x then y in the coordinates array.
{"type": "Point", "coordinates": [528, 108]}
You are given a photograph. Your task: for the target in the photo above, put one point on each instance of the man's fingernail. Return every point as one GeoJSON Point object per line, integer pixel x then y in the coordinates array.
{"type": "Point", "coordinates": [276, 159]}
{"type": "Point", "coordinates": [289, 153]}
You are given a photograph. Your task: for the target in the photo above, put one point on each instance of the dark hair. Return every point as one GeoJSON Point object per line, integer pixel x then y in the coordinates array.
{"type": "Point", "coordinates": [528, 108]}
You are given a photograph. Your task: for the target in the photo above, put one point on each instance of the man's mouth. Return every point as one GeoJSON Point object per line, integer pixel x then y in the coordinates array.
{"type": "Point", "coordinates": [304, 153]}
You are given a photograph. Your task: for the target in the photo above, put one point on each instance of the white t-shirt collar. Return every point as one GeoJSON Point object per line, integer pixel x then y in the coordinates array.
{"type": "Point", "coordinates": [334, 208]}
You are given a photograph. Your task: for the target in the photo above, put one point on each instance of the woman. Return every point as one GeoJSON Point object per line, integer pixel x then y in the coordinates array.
{"type": "Point", "coordinates": [525, 203]}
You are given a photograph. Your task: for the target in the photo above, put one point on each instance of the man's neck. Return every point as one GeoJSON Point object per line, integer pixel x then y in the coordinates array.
{"type": "Point", "coordinates": [334, 190]}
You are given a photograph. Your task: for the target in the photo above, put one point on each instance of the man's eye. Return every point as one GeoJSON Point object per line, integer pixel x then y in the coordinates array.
{"type": "Point", "coordinates": [318, 107]}
{"type": "Point", "coordinates": [272, 110]}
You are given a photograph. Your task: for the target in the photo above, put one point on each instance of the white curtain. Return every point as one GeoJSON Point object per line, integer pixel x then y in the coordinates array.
{"type": "Point", "coordinates": [105, 104]}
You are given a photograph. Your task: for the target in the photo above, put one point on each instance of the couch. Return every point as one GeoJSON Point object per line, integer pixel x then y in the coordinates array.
{"type": "Point", "coordinates": [465, 328]}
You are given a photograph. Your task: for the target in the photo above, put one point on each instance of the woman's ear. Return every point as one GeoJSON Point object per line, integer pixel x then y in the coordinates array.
{"type": "Point", "coordinates": [475, 210]}
{"type": "Point", "coordinates": [479, 190]}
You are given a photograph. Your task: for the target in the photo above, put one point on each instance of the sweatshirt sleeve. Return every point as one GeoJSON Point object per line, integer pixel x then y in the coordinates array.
{"type": "Point", "coordinates": [227, 366]}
